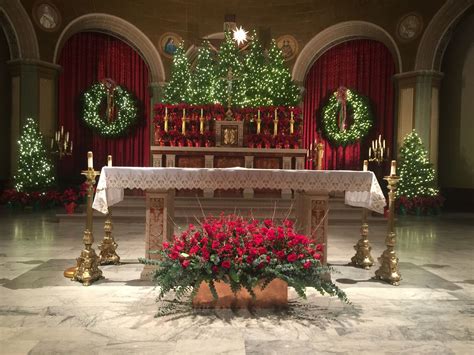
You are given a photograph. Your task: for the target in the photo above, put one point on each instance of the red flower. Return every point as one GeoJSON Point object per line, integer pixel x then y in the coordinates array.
{"type": "Point", "coordinates": [215, 244]}
{"type": "Point", "coordinates": [226, 264]}
{"type": "Point", "coordinates": [166, 245]}
{"type": "Point", "coordinates": [319, 247]}
{"type": "Point", "coordinates": [214, 268]}
{"type": "Point", "coordinates": [307, 264]}
{"type": "Point", "coordinates": [292, 257]}
{"type": "Point", "coordinates": [174, 255]}
{"type": "Point", "coordinates": [185, 263]}
{"type": "Point", "coordinates": [194, 250]}
{"type": "Point", "coordinates": [317, 256]}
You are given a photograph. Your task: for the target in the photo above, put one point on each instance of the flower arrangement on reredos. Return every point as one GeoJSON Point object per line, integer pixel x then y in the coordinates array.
{"type": "Point", "coordinates": [168, 44]}
{"type": "Point", "coordinates": [46, 15]}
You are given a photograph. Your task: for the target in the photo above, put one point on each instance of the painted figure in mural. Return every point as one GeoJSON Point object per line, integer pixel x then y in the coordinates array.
{"type": "Point", "coordinates": [286, 49]}
{"type": "Point", "coordinates": [47, 18]}
{"type": "Point", "coordinates": [170, 47]}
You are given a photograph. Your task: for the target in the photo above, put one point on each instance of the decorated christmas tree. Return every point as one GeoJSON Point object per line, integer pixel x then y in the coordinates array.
{"type": "Point", "coordinates": [417, 176]}
{"type": "Point", "coordinates": [203, 83]}
{"type": "Point", "coordinates": [230, 73]}
{"type": "Point", "coordinates": [178, 89]}
{"type": "Point", "coordinates": [282, 91]}
{"type": "Point", "coordinates": [255, 80]}
{"type": "Point", "coordinates": [35, 171]}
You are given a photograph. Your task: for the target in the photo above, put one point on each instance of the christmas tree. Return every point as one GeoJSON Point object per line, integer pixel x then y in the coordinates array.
{"type": "Point", "coordinates": [35, 171]}
{"type": "Point", "coordinates": [417, 176]}
{"type": "Point", "coordinates": [282, 91]}
{"type": "Point", "coordinates": [229, 74]}
{"type": "Point", "coordinates": [203, 84]}
{"type": "Point", "coordinates": [255, 75]}
{"type": "Point", "coordinates": [178, 89]}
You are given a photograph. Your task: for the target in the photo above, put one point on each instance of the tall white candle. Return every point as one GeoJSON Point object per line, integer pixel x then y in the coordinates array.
{"type": "Point", "coordinates": [90, 163]}
{"type": "Point", "coordinates": [370, 152]}
{"type": "Point", "coordinates": [202, 112]}
{"type": "Point", "coordinates": [366, 165]}
{"type": "Point", "coordinates": [71, 146]}
{"type": "Point", "coordinates": [383, 144]}
{"type": "Point", "coordinates": [62, 130]}
{"type": "Point", "coordinates": [67, 136]}
{"type": "Point", "coordinates": [166, 111]}
{"type": "Point", "coordinates": [393, 167]}
{"type": "Point", "coordinates": [109, 160]}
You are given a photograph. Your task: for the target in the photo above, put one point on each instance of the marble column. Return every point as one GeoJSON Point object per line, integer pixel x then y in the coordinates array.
{"type": "Point", "coordinates": [418, 108]}
{"type": "Point", "coordinates": [34, 94]}
{"type": "Point", "coordinates": [157, 91]}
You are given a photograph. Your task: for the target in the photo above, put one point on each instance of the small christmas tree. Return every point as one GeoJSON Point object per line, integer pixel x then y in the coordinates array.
{"type": "Point", "coordinates": [178, 89]}
{"type": "Point", "coordinates": [282, 91]}
{"type": "Point", "coordinates": [35, 171]}
{"type": "Point", "coordinates": [417, 176]}
{"type": "Point", "coordinates": [255, 75]}
{"type": "Point", "coordinates": [230, 73]}
{"type": "Point", "coordinates": [203, 84]}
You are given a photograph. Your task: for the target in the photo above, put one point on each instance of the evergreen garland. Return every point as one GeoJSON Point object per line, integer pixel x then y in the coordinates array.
{"type": "Point", "coordinates": [126, 113]}
{"type": "Point", "coordinates": [35, 171]}
{"type": "Point", "coordinates": [362, 119]}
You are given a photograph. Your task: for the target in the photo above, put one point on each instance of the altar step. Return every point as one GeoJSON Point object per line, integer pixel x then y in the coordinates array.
{"type": "Point", "coordinates": [187, 209]}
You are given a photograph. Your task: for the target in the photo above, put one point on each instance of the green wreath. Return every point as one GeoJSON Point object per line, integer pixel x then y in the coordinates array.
{"type": "Point", "coordinates": [335, 116]}
{"type": "Point", "coordinates": [126, 109]}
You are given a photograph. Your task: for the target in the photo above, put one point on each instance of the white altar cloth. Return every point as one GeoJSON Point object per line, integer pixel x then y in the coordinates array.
{"type": "Point", "coordinates": [361, 188]}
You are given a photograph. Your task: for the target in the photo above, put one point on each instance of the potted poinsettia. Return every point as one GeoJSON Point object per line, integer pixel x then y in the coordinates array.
{"type": "Point", "coordinates": [230, 261]}
{"type": "Point", "coordinates": [69, 199]}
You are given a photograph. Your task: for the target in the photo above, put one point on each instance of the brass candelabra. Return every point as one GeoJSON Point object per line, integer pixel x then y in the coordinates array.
{"type": "Point", "coordinates": [88, 270]}
{"type": "Point", "coordinates": [388, 270]}
{"type": "Point", "coordinates": [363, 258]}
{"type": "Point", "coordinates": [60, 144]}
{"type": "Point", "coordinates": [377, 151]}
{"type": "Point", "coordinates": [108, 247]}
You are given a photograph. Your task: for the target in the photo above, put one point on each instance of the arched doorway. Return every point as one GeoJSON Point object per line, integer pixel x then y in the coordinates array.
{"type": "Point", "coordinates": [456, 122]}
{"type": "Point", "coordinates": [365, 65]}
{"type": "Point", "coordinates": [5, 108]}
{"type": "Point", "coordinates": [86, 58]}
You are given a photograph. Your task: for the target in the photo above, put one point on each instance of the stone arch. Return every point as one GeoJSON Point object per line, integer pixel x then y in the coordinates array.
{"type": "Point", "coordinates": [339, 33]}
{"type": "Point", "coordinates": [119, 28]}
{"type": "Point", "coordinates": [436, 37]}
{"type": "Point", "coordinates": [19, 31]}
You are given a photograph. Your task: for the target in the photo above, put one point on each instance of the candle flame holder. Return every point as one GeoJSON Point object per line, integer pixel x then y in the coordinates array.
{"type": "Point", "coordinates": [60, 144]}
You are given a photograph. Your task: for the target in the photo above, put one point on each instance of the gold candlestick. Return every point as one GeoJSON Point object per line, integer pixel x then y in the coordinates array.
{"type": "Point", "coordinates": [201, 123]}
{"type": "Point", "coordinates": [183, 122]}
{"type": "Point", "coordinates": [275, 123]}
{"type": "Point", "coordinates": [292, 124]}
{"type": "Point", "coordinates": [362, 258]}
{"type": "Point", "coordinates": [166, 123]}
{"type": "Point", "coordinates": [88, 263]}
{"type": "Point", "coordinates": [259, 121]}
{"type": "Point", "coordinates": [108, 247]}
{"type": "Point", "coordinates": [388, 270]}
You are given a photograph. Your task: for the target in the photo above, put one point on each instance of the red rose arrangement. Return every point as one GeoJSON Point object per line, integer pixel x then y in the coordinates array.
{"type": "Point", "coordinates": [243, 253]}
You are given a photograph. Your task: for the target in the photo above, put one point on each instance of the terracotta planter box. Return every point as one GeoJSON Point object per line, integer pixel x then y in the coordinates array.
{"type": "Point", "coordinates": [275, 295]}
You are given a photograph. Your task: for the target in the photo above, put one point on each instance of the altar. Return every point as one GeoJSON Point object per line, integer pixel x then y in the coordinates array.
{"type": "Point", "coordinates": [311, 190]}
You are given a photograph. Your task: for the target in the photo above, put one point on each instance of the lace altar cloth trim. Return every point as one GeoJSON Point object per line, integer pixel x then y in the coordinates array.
{"type": "Point", "coordinates": [362, 188]}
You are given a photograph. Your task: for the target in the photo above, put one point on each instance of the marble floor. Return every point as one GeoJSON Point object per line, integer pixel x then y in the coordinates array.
{"type": "Point", "coordinates": [431, 312]}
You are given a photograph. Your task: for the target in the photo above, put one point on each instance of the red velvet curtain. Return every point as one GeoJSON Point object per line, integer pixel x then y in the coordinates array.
{"type": "Point", "coordinates": [85, 59]}
{"type": "Point", "coordinates": [366, 66]}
